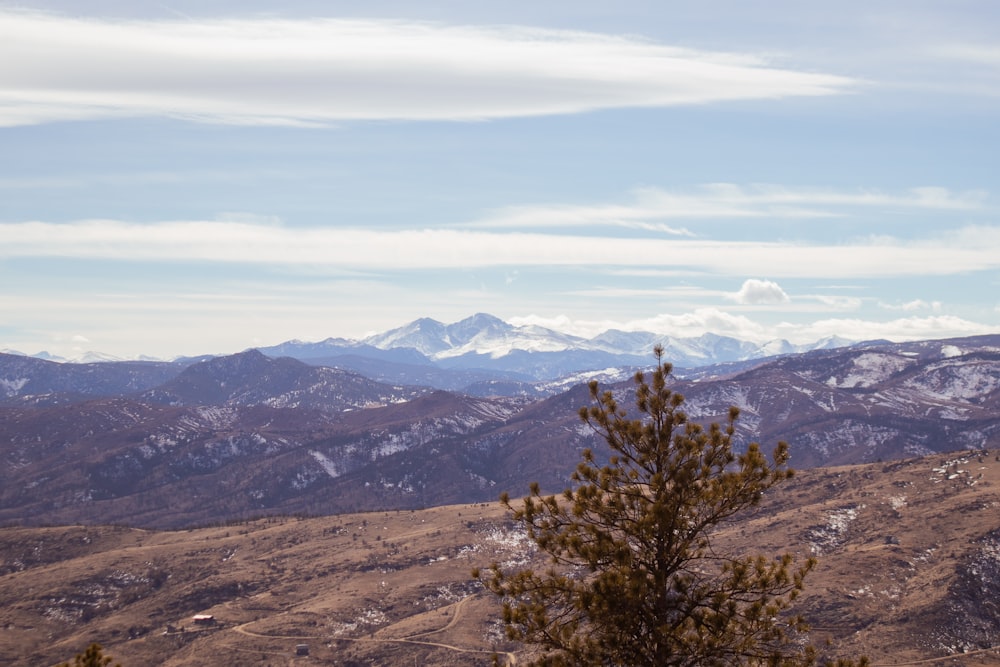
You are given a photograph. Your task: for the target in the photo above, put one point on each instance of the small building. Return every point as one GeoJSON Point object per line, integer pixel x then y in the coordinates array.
{"type": "Point", "coordinates": [203, 619]}
{"type": "Point", "coordinates": [302, 649]}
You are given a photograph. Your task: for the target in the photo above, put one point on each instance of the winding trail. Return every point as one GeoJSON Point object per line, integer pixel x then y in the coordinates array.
{"type": "Point", "coordinates": [927, 661]}
{"type": "Point", "coordinates": [511, 659]}
{"type": "Point", "coordinates": [450, 624]}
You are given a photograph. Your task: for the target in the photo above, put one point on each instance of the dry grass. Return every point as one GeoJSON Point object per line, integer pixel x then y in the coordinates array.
{"type": "Point", "coordinates": [898, 578]}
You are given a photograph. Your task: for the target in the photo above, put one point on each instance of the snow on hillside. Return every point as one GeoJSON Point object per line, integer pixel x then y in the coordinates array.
{"type": "Point", "coordinates": [957, 379]}
{"type": "Point", "coordinates": [870, 369]}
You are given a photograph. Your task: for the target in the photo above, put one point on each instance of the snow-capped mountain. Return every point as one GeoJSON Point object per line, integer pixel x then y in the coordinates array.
{"type": "Point", "coordinates": [533, 353]}
{"type": "Point", "coordinates": [484, 335]}
{"type": "Point", "coordinates": [83, 358]}
{"type": "Point", "coordinates": [486, 343]}
{"type": "Point", "coordinates": [481, 334]}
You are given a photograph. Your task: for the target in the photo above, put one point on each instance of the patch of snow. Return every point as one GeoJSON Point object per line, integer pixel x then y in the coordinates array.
{"type": "Point", "coordinates": [304, 478]}
{"type": "Point", "coordinates": [217, 417]}
{"type": "Point", "coordinates": [12, 387]}
{"type": "Point", "coordinates": [958, 381]}
{"type": "Point", "coordinates": [897, 502]}
{"type": "Point", "coordinates": [831, 535]}
{"type": "Point", "coordinates": [869, 369]}
{"type": "Point", "coordinates": [329, 466]}
{"type": "Point", "coordinates": [512, 545]}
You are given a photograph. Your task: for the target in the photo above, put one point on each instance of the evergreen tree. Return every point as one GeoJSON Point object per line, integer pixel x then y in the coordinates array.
{"type": "Point", "coordinates": [92, 657]}
{"type": "Point", "coordinates": [634, 577]}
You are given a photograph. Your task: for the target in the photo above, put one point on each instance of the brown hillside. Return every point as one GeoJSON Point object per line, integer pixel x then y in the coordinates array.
{"type": "Point", "coordinates": [909, 573]}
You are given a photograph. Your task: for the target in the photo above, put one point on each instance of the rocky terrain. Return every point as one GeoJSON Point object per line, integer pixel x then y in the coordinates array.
{"type": "Point", "coordinates": [909, 574]}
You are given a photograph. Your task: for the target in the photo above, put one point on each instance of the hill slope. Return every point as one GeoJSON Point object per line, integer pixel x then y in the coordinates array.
{"type": "Point", "coordinates": [909, 573]}
{"type": "Point", "coordinates": [248, 435]}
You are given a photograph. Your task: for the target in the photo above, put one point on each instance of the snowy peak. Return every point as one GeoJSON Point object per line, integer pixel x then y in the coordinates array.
{"type": "Point", "coordinates": [617, 341]}
{"type": "Point", "coordinates": [480, 326]}
{"type": "Point", "coordinates": [304, 350]}
{"type": "Point", "coordinates": [481, 334]}
{"type": "Point", "coordinates": [486, 341]}
{"type": "Point", "coordinates": [488, 336]}
{"type": "Point", "coordinates": [427, 336]}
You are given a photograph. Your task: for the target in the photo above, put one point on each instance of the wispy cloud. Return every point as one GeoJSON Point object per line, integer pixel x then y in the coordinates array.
{"type": "Point", "coordinates": [837, 302]}
{"type": "Point", "coordinates": [987, 55]}
{"type": "Point", "coordinates": [650, 206]}
{"type": "Point", "coordinates": [909, 328]}
{"type": "Point", "coordinates": [953, 252]}
{"type": "Point", "coordinates": [267, 71]}
{"type": "Point", "coordinates": [912, 306]}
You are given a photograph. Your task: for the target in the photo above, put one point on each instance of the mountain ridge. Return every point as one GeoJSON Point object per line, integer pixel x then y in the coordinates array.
{"type": "Point", "coordinates": [483, 340]}
{"type": "Point", "coordinates": [486, 343]}
{"type": "Point", "coordinates": [247, 434]}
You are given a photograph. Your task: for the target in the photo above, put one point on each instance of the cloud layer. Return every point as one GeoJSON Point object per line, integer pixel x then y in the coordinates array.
{"type": "Point", "coordinates": [650, 206]}
{"type": "Point", "coordinates": [315, 72]}
{"type": "Point", "coordinates": [953, 252]}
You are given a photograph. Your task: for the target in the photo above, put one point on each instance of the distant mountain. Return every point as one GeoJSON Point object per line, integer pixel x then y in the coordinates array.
{"type": "Point", "coordinates": [473, 381]}
{"type": "Point", "coordinates": [248, 434]}
{"type": "Point", "coordinates": [125, 461]}
{"type": "Point", "coordinates": [482, 353]}
{"type": "Point", "coordinates": [27, 379]}
{"type": "Point", "coordinates": [83, 358]}
{"type": "Point", "coordinates": [332, 348]}
{"type": "Point", "coordinates": [865, 403]}
{"type": "Point", "coordinates": [251, 378]}
{"type": "Point", "coordinates": [487, 344]}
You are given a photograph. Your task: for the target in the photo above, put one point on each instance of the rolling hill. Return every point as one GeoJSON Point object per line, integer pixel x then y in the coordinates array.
{"type": "Point", "coordinates": [909, 574]}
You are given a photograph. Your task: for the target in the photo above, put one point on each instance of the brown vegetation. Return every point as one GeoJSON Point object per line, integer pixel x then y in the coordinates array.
{"type": "Point", "coordinates": [909, 572]}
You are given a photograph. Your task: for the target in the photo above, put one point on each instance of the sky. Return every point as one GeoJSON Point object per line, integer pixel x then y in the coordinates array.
{"type": "Point", "coordinates": [203, 176]}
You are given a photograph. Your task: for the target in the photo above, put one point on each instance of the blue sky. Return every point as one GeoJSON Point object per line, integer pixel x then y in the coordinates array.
{"type": "Point", "coordinates": [187, 177]}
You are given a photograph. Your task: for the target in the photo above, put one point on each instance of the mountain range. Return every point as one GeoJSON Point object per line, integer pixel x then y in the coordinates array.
{"type": "Point", "coordinates": [135, 495]}
{"type": "Point", "coordinates": [483, 347]}
{"type": "Point", "coordinates": [187, 443]}
{"type": "Point", "coordinates": [527, 353]}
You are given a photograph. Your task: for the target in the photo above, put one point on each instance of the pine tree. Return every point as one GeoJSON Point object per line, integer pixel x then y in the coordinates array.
{"type": "Point", "coordinates": [634, 577]}
{"type": "Point", "coordinates": [92, 657]}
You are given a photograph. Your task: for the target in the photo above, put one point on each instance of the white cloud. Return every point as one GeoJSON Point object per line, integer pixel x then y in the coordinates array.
{"type": "Point", "coordinates": [913, 306]}
{"type": "Point", "coordinates": [267, 71]}
{"type": "Point", "coordinates": [327, 249]}
{"type": "Point", "coordinates": [760, 292]}
{"type": "Point", "coordinates": [985, 55]}
{"type": "Point", "coordinates": [910, 328]}
{"type": "Point", "coordinates": [838, 302]}
{"type": "Point", "coordinates": [727, 201]}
